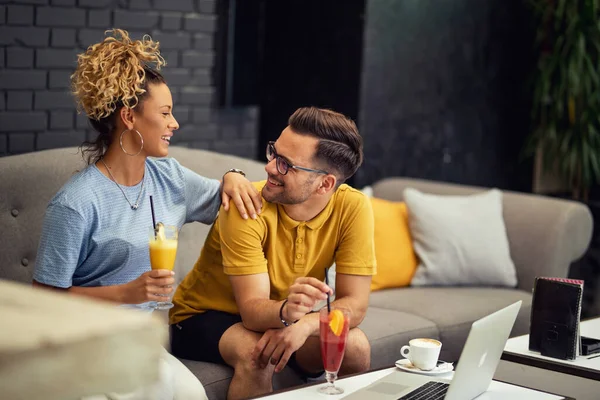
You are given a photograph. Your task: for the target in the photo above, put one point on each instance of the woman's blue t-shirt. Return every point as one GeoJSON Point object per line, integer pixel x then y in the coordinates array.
{"type": "Point", "coordinates": [92, 237]}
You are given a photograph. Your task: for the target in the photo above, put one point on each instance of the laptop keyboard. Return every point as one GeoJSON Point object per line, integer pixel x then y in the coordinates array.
{"type": "Point", "coordinates": [428, 391]}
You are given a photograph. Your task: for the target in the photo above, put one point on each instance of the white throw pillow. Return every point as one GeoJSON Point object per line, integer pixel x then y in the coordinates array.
{"type": "Point", "coordinates": [460, 240]}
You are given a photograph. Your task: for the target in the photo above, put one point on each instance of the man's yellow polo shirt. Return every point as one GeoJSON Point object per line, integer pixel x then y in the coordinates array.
{"type": "Point", "coordinates": [284, 248]}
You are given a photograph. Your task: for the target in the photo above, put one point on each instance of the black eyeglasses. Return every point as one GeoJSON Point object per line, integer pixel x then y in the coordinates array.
{"type": "Point", "coordinates": [282, 165]}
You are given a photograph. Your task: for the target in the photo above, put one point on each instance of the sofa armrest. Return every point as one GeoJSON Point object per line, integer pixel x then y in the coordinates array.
{"type": "Point", "coordinates": [545, 234]}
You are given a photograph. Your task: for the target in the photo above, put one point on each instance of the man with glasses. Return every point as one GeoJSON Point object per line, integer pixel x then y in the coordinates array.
{"type": "Point", "coordinates": [248, 300]}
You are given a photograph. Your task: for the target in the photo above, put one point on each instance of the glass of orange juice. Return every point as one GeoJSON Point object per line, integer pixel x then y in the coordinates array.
{"type": "Point", "coordinates": [163, 250]}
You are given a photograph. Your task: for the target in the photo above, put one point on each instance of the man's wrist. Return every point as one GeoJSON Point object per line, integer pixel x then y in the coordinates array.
{"type": "Point", "coordinates": [309, 324]}
{"type": "Point", "coordinates": [283, 314]}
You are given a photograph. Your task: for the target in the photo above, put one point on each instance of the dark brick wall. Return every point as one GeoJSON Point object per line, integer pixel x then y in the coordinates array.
{"type": "Point", "coordinates": [39, 41]}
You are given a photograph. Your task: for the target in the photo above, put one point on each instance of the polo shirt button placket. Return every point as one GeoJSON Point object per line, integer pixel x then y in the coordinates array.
{"type": "Point", "coordinates": [298, 262]}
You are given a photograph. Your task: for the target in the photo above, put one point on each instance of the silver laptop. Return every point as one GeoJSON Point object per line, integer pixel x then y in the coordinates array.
{"type": "Point", "coordinates": [474, 372]}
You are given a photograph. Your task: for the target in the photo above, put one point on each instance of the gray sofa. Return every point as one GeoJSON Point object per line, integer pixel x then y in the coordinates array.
{"type": "Point", "coordinates": [545, 236]}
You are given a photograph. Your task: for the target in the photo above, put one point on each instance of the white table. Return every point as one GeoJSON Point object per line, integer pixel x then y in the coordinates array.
{"type": "Point", "coordinates": [579, 378]}
{"type": "Point", "coordinates": [496, 391]}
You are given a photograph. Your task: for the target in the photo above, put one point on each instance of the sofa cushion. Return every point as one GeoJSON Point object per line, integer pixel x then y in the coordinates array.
{"type": "Point", "coordinates": [396, 259]}
{"type": "Point", "coordinates": [453, 310]}
{"type": "Point", "coordinates": [460, 240]}
{"type": "Point", "coordinates": [388, 330]}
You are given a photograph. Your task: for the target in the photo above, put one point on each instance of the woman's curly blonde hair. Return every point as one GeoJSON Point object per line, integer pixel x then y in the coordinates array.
{"type": "Point", "coordinates": [112, 74]}
{"type": "Point", "coordinates": [112, 71]}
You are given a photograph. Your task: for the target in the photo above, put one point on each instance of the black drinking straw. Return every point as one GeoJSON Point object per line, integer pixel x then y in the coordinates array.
{"type": "Point", "coordinates": [153, 218]}
{"type": "Point", "coordinates": [328, 300]}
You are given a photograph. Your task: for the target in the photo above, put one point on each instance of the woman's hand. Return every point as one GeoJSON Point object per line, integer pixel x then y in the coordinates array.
{"type": "Point", "coordinates": [243, 193]}
{"type": "Point", "coordinates": [153, 285]}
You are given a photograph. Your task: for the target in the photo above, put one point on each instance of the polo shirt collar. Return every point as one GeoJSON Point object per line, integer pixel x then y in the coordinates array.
{"type": "Point", "coordinates": [315, 223]}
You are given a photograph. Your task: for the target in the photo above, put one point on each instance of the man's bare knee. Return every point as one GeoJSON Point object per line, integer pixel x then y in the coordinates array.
{"type": "Point", "coordinates": [358, 353]}
{"type": "Point", "coordinates": [237, 344]}
{"type": "Point", "coordinates": [236, 347]}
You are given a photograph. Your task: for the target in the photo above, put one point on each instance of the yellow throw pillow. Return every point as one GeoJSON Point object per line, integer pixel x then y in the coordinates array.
{"type": "Point", "coordinates": [396, 258]}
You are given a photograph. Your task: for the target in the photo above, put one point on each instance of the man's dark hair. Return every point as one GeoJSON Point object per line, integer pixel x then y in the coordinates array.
{"type": "Point", "coordinates": [340, 148]}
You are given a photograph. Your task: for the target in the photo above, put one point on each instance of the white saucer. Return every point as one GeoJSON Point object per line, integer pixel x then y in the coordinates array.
{"type": "Point", "coordinates": [405, 365]}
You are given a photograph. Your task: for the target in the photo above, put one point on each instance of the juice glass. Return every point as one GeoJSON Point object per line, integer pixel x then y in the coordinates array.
{"type": "Point", "coordinates": [333, 329]}
{"type": "Point", "coordinates": [163, 250]}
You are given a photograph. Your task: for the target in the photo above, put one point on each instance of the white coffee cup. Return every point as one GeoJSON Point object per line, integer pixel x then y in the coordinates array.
{"type": "Point", "coordinates": [423, 353]}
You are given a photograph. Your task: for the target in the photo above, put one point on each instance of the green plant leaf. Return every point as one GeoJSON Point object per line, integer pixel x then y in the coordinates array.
{"type": "Point", "coordinates": [565, 112]}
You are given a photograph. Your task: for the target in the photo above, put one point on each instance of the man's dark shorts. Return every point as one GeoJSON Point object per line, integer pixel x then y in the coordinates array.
{"type": "Point", "coordinates": [197, 338]}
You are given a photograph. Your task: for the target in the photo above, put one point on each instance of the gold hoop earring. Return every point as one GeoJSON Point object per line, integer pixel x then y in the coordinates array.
{"type": "Point", "coordinates": [121, 143]}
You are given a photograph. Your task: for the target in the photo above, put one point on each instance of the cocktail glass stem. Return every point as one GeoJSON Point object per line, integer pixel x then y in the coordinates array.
{"type": "Point", "coordinates": [330, 388]}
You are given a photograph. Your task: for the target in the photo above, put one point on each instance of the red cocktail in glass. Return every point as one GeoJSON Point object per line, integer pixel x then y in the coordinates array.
{"type": "Point", "coordinates": [334, 327]}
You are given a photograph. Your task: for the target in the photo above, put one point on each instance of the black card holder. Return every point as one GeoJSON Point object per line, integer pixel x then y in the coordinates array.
{"type": "Point", "coordinates": [554, 322]}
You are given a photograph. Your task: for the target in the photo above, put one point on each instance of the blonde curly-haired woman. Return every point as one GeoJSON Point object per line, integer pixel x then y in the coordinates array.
{"type": "Point", "coordinates": [94, 239]}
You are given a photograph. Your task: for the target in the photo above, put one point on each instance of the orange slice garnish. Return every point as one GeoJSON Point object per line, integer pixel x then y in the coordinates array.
{"type": "Point", "coordinates": [336, 322]}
